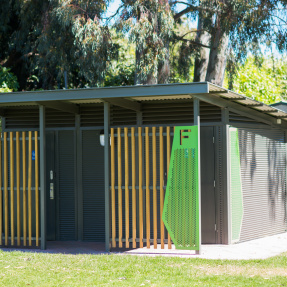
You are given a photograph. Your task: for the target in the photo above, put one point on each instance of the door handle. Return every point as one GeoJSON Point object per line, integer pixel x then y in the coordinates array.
{"type": "Point", "coordinates": [51, 175]}
{"type": "Point", "coordinates": [51, 190]}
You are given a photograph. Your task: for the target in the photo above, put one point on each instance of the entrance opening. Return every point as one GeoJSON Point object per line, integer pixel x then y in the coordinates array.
{"type": "Point", "coordinates": [75, 186]}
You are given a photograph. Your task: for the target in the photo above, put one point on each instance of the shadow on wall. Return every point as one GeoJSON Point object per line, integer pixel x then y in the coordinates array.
{"type": "Point", "coordinates": [263, 169]}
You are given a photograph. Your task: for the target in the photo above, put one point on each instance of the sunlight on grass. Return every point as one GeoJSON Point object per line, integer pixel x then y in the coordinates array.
{"type": "Point", "coordinates": [39, 269]}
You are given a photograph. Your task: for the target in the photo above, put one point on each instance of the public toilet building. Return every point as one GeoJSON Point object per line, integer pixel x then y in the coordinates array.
{"type": "Point", "coordinates": [95, 165]}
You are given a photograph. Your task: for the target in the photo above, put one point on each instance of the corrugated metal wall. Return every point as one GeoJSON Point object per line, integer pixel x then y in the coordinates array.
{"type": "Point", "coordinates": [66, 190]}
{"type": "Point", "coordinates": [263, 173]}
{"type": "Point", "coordinates": [93, 187]}
{"type": "Point", "coordinates": [26, 117]}
{"type": "Point", "coordinates": [219, 189]}
{"type": "Point", "coordinates": [177, 111]}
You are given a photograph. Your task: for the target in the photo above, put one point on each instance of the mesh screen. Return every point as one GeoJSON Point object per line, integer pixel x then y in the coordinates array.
{"type": "Point", "coordinates": [181, 204]}
{"type": "Point", "coordinates": [235, 186]}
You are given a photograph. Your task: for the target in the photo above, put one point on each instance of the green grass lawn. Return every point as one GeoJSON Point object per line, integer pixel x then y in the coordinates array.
{"type": "Point", "coordinates": [40, 269]}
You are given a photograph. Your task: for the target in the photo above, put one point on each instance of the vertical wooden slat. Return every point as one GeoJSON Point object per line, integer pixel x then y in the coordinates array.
{"type": "Point", "coordinates": [134, 201]}
{"type": "Point", "coordinates": [140, 187]}
{"type": "Point", "coordinates": [120, 194]}
{"type": "Point", "coordinates": [1, 201]}
{"type": "Point", "coordinates": [37, 187]}
{"type": "Point", "coordinates": [24, 189]}
{"type": "Point", "coordinates": [113, 200]}
{"type": "Point", "coordinates": [154, 187]}
{"type": "Point", "coordinates": [30, 188]}
{"type": "Point", "coordinates": [12, 233]}
{"type": "Point", "coordinates": [147, 187]}
{"type": "Point", "coordinates": [127, 213]}
{"type": "Point", "coordinates": [168, 154]}
{"type": "Point", "coordinates": [18, 187]}
{"type": "Point", "coordinates": [161, 177]}
{"type": "Point", "coordinates": [6, 188]}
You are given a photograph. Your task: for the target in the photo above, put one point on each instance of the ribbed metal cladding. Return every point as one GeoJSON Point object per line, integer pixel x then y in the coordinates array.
{"type": "Point", "coordinates": [236, 118]}
{"type": "Point", "coordinates": [92, 115]}
{"type": "Point", "coordinates": [22, 117]}
{"type": "Point", "coordinates": [93, 187]}
{"type": "Point", "coordinates": [167, 112]}
{"type": "Point", "coordinates": [209, 113]}
{"type": "Point", "coordinates": [177, 111]}
{"type": "Point", "coordinates": [57, 118]}
{"type": "Point", "coordinates": [263, 173]}
{"type": "Point", "coordinates": [67, 212]}
{"type": "Point", "coordinates": [122, 117]}
{"type": "Point", "coordinates": [219, 185]}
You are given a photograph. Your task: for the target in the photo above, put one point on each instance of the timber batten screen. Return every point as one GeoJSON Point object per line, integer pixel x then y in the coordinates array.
{"type": "Point", "coordinates": [140, 160]}
{"type": "Point", "coordinates": [19, 193]}
{"type": "Point", "coordinates": [139, 164]}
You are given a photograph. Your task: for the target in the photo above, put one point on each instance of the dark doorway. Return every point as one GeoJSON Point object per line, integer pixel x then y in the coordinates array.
{"type": "Point", "coordinates": [60, 175]}
{"type": "Point", "coordinates": [75, 186]}
{"type": "Point", "coordinates": [208, 208]}
{"type": "Point", "coordinates": [93, 186]}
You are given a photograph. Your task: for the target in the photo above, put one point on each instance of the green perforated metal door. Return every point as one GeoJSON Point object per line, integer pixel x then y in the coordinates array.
{"type": "Point", "coordinates": [181, 204]}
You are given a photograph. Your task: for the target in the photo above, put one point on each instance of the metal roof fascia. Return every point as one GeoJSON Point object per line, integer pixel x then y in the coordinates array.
{"type": "Point", "coordinates": [245, 110]}
{"type": "Point", "coordinates": [102, 93]}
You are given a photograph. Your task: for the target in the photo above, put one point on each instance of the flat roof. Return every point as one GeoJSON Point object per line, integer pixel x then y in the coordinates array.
{"type": "Point", "coordinates": [134, 95]}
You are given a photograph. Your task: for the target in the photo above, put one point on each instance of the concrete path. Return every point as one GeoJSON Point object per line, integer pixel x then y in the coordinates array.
{"type": "Point", "coordinates": [255, 249]}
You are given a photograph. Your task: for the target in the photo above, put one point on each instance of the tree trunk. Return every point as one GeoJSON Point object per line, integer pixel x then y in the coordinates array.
{"type": "Point", "coordinates": [164, 67]}
{"type": "Point", "coordinates": [140, 78]}
{"type": "Point", "coordinates": [201, 62]}
{"type": "Point", "coordinates": [217, 58]}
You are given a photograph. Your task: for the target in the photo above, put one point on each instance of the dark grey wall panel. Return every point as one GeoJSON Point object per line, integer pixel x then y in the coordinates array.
{"type": "Point", "coordinates": [93, 187]}
{"type": "Point", "coordinates": [208, 205]}
{"type": "Point", "coordinates": [263, 173]}
{"type": "Point", "coordinates": [220, 197]}
{"type": "Point", "coordinates": [22, 117]}
{"type": "Point", "coordinates": [56, 118]}
{"type": "Point", "coordinates": [237, 118]}
{"type": "Point", "coordinates": [66, 192]}
{"type": "Point", "coordinates": [177, 111]}
{"type": "Point", "coordinates": [92, 115]}
{"type": "Point", "coordinates": [121, 116]}
{"type": "Point", "coordinates": [167, 112]}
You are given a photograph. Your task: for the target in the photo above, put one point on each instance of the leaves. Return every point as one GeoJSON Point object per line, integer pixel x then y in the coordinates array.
{"type": "Point", "coordinates": [267, 83]}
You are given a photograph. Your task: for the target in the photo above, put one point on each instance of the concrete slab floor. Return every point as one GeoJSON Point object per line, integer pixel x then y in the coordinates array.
{"type": "Point", "coordinates": [254, 249]}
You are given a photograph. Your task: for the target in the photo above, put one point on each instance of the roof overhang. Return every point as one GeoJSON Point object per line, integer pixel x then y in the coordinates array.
{"type": "Point", "coordinates": [132, 96]}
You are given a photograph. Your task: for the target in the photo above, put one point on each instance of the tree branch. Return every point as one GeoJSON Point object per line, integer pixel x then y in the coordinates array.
{"type": "Point", "coordinates": [192, 42]}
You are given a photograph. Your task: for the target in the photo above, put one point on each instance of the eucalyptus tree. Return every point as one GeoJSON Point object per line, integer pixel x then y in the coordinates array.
{"type": "Point", "coordinates": [46, 38]}
{"type": "Point", "coordinates": [149, 24]}
{"type": "Point", "coordinates": [232, 28]}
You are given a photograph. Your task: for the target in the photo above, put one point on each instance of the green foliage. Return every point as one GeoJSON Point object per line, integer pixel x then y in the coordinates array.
{"type": "Point", "coordinates": [182, 53]}
{"type": "Point", "coordinates": [8, 81]}
{"type": "Point", "coordinates": [265, 81]}
{"type": "Point", "coordinates": [50, 37]}
{"type": "Point", "coordinates": [121, 71]}
{"type": "Point", "coordinates": [41, 40]}
{"type": "Point", "coordinates": [149, 25]}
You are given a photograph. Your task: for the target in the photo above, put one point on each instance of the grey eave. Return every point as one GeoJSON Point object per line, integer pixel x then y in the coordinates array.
{"type": "Point", "coordinates": [204, 91]}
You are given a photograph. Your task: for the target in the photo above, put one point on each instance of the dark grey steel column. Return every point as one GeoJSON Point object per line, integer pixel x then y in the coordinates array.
{"type": "Point", "coordinates": [196, 115]}
{"type": "Point", "coordinates": [226, 178]}
{"type": "Point", "coordinates": [42, 175]}
{"type": "Point", "coordinates": [107, 174]}
{"type": "Point", "coordinates": [79, 173]}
